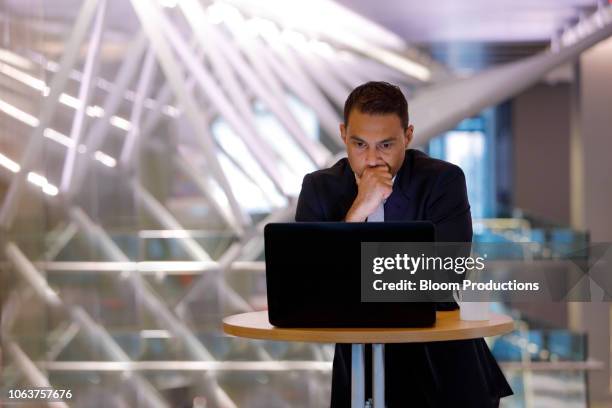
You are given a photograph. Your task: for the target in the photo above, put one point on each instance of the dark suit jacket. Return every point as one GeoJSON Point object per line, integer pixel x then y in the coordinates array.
{"type": "Point", "coordinates": [460, 374]}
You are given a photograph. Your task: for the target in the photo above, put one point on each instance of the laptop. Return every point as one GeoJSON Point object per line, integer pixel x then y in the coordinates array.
{"type": "Point", "coordinates": [313, 275]}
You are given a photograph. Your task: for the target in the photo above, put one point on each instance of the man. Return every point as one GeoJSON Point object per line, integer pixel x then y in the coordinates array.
{"type": "Point", "coordinates": [383, 181]}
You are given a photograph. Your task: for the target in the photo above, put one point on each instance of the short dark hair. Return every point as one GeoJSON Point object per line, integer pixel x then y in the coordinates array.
{"type": "Point", "coordinates": [377, 97]}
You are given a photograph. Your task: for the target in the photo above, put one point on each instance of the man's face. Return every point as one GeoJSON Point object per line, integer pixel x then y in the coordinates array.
{"type": "Point", "coordinates": [375, 140]}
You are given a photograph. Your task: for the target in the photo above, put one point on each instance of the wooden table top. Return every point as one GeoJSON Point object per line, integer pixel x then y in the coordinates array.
{"type": "Point", "coordinates": [255, 325]}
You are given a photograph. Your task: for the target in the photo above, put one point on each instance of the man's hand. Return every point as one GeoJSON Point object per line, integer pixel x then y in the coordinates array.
{"type": "Point", "coordinates": [374, 186]}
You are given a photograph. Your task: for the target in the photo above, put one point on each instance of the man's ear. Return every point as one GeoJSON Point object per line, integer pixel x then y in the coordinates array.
{"type": "Point", "coordinates": [343, 132]}
{"type": "Point", "coordinates": [408, 134]}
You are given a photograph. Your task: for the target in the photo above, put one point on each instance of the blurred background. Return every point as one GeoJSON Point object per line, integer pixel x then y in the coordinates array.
{"type": "Point", "coordinates": [144, 144]}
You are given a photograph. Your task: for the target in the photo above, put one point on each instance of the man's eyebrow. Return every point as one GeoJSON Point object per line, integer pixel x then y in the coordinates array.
{"type": "Point", "coordinates": [387, 140]}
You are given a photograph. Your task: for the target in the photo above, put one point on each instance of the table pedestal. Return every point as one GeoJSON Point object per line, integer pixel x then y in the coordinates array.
{"type": "Point", "coordinates": [358, 375]}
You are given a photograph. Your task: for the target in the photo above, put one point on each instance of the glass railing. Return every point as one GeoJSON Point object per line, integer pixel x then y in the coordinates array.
{"type": "Point", "coordinates": [546, 366]}
{"type": "Point", "coordinates": [132, 318]}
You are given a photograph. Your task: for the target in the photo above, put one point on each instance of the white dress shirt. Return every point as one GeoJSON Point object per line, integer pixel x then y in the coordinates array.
{"type": "Point", "coordinates": [379, 213]}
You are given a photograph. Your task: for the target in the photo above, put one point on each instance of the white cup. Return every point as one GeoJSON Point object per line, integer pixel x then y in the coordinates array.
{"type": "Point", "coordinates": [472, 310]}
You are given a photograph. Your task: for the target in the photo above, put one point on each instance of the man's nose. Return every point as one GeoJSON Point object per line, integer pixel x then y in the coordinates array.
{"type": "Point", "coordinates": [372, 157]}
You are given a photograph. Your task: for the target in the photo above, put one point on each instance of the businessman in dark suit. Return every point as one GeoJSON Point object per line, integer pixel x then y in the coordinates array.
{"type": "Point", "coordinates": [383, 180]}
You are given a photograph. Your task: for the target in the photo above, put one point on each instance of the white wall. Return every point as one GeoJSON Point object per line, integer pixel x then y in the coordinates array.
{"type": "Point", "coordinates": [596, 136]}
{"type": "Point", "coordinates": [541, 135]}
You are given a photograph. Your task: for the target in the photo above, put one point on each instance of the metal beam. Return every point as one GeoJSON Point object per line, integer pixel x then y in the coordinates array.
{"type": "Point", "coordinates": [342, 70]}
{"type": "Point", "coordinates": [274, 73]}
{"type": "Point", "coordinates": [35, 377]}
{"type": "Point", "coordinates": [237, 250]}
{"type": "Point", "coordinates": [67, 333]}
{"type": "Point", "coordinates": [61, 241]}
{"type": "Point", "coordinates": [273, 97]}
{"type": "Point", "coordinates": [224, 106]}
{"type": "Point", "coordinates": [96, 333]}
{"type": "Point", "coordinates": [190, 245]}
{"type": "Point", "coordinates": [167, 220]}
{"type": "Point", "coordinates": [78, 122]}
{"type": "Point", "coordinates": [440, 108]}
{"type": "Point", "coordinates": [100, 83]}
{"type": "Point", "coordinates": [226, 76]}
{"type": "Point", "coordinates": [212, 39]}
{"type": "Point", "coordinates": [162, 97]}
{"type": "Point", "coordinates": [330, 85]}
{"type": "Point", "coordinates": [151, 301]}
{"type": "Point", "coordinates": [58, 83]}
{"type": "Point", "coordinates": [266, 366]}
{"type": "Point", "coordinates": [204, 184]}
{"type": "Point", "coordinates": [149, 17]}
{"type": "Point", "coordinates": [295, 80]}
{"type": "Point", "coordinates": [99, 129]}
{"type": "Point", "coordinates": [142, 90]}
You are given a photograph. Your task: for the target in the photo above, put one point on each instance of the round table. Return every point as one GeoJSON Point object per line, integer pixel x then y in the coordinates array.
{"type": "Point", "coordinates": [255, 325]}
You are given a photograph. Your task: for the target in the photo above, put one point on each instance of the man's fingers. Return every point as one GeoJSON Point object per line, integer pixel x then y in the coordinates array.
{"type": "Point", "coordinates": [385, 179]}
{"type": "Point", "coordinates": [387, 191]}
{"type": "Point", "coordinates": [379, 172]}
{"type": "Point", "coordinates": [380, 168]}
{"type": "Point", "coordinates": [386, 187]}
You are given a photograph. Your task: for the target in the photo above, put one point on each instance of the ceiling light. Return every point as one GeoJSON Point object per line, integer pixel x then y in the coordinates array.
{"type": "Point", "coordinates": [18, 114]}
{"type": "Point", "coordinates": [120, 122]}
{"type": "Point", "coordinates": [105, 159]}
{"type": "Point", "coordinates": [41, 181]}
{"type": "Point", "coordinates": [9, 164]}
{"type": "Point", "coordinates": [58, 137]}
{"type": "Point", "coordinates": [15, 59]}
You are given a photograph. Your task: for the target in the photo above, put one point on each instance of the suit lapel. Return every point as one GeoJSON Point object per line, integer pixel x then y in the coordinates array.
{"type": "Point", "coordinates": [396, 207]}
{"type": "Point", "coordinates": [348, 193]}
{"type": "Point", "coordinates": [398, 202]}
